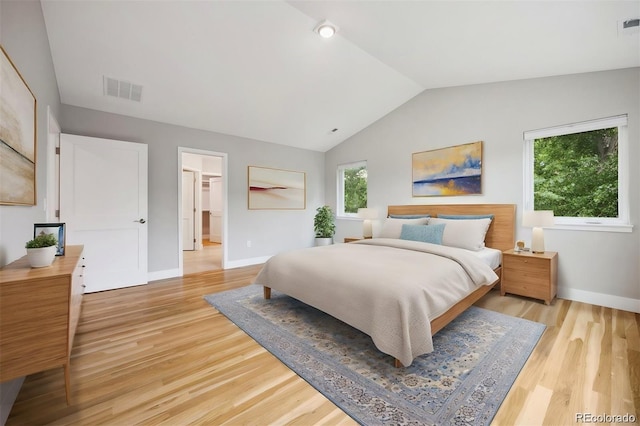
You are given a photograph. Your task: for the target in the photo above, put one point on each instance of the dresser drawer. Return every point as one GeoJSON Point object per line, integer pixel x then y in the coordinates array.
{"type": "Point", "coordinates": [527, 264]}
{"type": "Point", "coordinates": [75, 305]}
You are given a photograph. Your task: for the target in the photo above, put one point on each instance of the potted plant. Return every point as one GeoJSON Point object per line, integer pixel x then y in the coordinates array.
{"type": "Point", "coordinates": [324, 226]}
{"type": "Point", "coordinates": [41, 250]}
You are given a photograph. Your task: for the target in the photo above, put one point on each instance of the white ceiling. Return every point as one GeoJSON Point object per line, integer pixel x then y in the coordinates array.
{"type": "Point", "coordinates": [256, 68]}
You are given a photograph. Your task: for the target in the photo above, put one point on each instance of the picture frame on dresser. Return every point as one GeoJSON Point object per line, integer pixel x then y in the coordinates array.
{"type": "Point", "coordinates": [57, 229]}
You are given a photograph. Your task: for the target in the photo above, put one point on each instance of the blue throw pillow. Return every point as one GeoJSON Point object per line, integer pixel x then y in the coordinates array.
{"type": "Point", "coordinates": [465, 216]}
{"type": "Point", "coordinates": [424, 233]}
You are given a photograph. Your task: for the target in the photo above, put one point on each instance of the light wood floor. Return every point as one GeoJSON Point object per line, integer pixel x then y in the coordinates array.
{"type": "Point", "coordinates": [209, 258]}
{"type": "Point", "coordinates": [159, 354]}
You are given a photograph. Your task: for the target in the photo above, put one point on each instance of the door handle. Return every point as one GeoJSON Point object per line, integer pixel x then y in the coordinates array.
{"type": "Point", "coordinates": [140, 220]}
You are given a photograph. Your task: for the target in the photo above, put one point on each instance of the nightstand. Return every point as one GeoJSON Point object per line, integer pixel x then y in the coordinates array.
{"type": "Point", "coordinates": [351, 239]}
{"type": "Point", "coordinates": [530, 274]}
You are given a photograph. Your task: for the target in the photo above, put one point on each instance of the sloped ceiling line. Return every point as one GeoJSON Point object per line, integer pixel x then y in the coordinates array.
{"type": "Point", "coordinates": [256, 69]}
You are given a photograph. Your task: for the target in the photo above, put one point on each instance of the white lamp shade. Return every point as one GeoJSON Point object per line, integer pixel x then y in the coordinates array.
{"type": "Point", "coordinates": [367, 214]}
{"type": "Point", "coordinates": [537, 219]}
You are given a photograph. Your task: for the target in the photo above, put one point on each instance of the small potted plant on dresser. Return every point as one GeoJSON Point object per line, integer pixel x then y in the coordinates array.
{"type": "Point", "coordinates": [41, 250]}
{"type": "Point", "coordinates": [324, 226]}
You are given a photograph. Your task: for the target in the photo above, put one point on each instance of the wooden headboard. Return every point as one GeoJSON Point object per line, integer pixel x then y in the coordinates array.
{"type": "Point", "coordinates": [501, 233]}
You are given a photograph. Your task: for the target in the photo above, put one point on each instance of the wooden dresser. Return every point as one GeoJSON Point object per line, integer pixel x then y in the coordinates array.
{"type": "Point", "coordinates": [39, 312]}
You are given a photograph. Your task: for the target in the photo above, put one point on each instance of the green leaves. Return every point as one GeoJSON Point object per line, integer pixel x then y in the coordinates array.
{"type": "Point", "coordinates": [323, 222]}
{"type": "Point", "coordinates": [355, 189]}
{"type": "Point", "coordinates": [42, 240]}
{"type": "Point", "coordinates": [577, 175]}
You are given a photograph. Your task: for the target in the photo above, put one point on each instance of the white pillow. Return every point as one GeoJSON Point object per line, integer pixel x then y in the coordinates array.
{"type": "Point", "coordinates": [392, 228]}
{"type": "Point", "coordinates": [466, 234]}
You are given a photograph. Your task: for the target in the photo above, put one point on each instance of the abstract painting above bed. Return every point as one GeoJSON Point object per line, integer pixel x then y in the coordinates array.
{"type": "Point", "coordinates": [455, 170]}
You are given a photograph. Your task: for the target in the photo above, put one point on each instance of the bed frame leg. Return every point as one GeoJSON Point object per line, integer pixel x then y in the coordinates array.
{"type": "Point", "coordinates": [397, 363]}
{"type": "Point", "coordinates": [267, 292]}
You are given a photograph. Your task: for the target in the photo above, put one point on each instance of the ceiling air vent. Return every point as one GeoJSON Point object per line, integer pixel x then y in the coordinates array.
{"type": "Point", "coordinates": [122, 89]}
{"type": "Point", "coordinates": [629, 26]}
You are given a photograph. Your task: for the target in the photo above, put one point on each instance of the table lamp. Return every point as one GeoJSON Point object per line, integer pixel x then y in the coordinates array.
{"type": "Point", "coordinates": [537, 219]}
{"type": "Point", "coordinates": [367, 214]}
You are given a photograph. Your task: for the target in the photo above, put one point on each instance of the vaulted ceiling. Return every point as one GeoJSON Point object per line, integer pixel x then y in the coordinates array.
{"type": "Point", "coordinates": [257, 69]}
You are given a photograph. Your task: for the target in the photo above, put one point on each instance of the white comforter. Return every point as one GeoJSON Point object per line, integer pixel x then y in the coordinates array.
{"type": "Point", "coordinates": [389, 289]}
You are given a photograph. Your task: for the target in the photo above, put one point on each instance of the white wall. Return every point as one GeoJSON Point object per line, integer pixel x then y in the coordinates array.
{"type": "Point", "coordinates": [23, 36]}
{"type": "Point", "coordinates": [268, 231]}
{"type": "Point", "coordinates": [599, 267]}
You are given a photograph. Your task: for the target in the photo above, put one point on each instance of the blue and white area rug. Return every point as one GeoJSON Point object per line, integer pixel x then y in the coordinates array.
{"type": "Point", "coordinates": [477, 358]}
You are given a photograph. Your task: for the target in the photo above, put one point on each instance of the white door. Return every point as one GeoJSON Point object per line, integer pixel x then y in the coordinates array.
{"type": "Point", "coordinates": [103, 202]}
{"type": "Point", "coordinates": [215, 210]}
{"type": "Point", "coordinates": [52, 204]}
{"type": "Point", "coordinates": [188, 210]}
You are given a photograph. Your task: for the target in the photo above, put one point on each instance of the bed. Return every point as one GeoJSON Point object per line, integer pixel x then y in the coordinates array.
{"type": "Point", "coordinates": [400, 291]}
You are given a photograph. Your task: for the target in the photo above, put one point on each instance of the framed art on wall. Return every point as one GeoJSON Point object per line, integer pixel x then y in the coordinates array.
{"type": "Point", "coordinates": [456, 170]}
{"type": "Point", "coordinates": [274, 189]}
{"type": "Point", "coordinates": [17, 137]}
{"type": "Point", "coordinates": [57, 229]}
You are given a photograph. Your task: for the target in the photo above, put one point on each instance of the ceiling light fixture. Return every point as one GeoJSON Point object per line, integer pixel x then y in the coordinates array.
{"type": "Point", "coordinates": [326, 29]}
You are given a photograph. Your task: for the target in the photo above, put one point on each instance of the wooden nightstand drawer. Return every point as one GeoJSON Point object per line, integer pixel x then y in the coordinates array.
{"type": "Point", "coordinates": [526, 273]}
{"type": "Point", "coordinates": [530, 274]}
{"type": "Point", "coordinates": [514, 277]}
{"type": "Point", "coordinates": [531, 290]}
{"type": "Point", "coordinates": [528, 264]}
{"type": "Point", "coordinates": [351, 239]}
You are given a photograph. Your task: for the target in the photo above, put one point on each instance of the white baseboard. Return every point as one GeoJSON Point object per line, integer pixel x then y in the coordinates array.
{"type": "Point", "coordinates": [246, 262]}
{"type": "Point", "coordinates": [172, 273]}
{"type": "Point", "coordinates": [600, 299]}
{"type": "Point", "coordinates": [163, 275]}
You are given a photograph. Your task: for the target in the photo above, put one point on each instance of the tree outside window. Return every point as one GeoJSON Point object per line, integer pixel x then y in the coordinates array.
{"type": "Point", "coordinates": [352, 188]}
{"type": "Point", "coordinates": [581, 172]}
{"type": "Point", "coordinates": [577, 175]}
{"type": "Point", "coordinates": [355, 189]}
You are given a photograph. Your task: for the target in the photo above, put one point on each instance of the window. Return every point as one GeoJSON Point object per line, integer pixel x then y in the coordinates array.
{"type": "Point", "coordinates": [580, 171]}
{"type": "Point", "coordinates": [352, 188]}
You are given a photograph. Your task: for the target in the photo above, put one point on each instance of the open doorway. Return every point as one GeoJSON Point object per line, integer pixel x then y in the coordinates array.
{"type": "Point", "coordinates": [202, 218]}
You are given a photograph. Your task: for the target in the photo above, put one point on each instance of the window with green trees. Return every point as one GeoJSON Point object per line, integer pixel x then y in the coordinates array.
{"type": "Point", "coordinates": [577, 175]}
{"type": "Point", "coordinates": [352, 188]}
{"type": "Point", "coordinates": [577, 171]}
